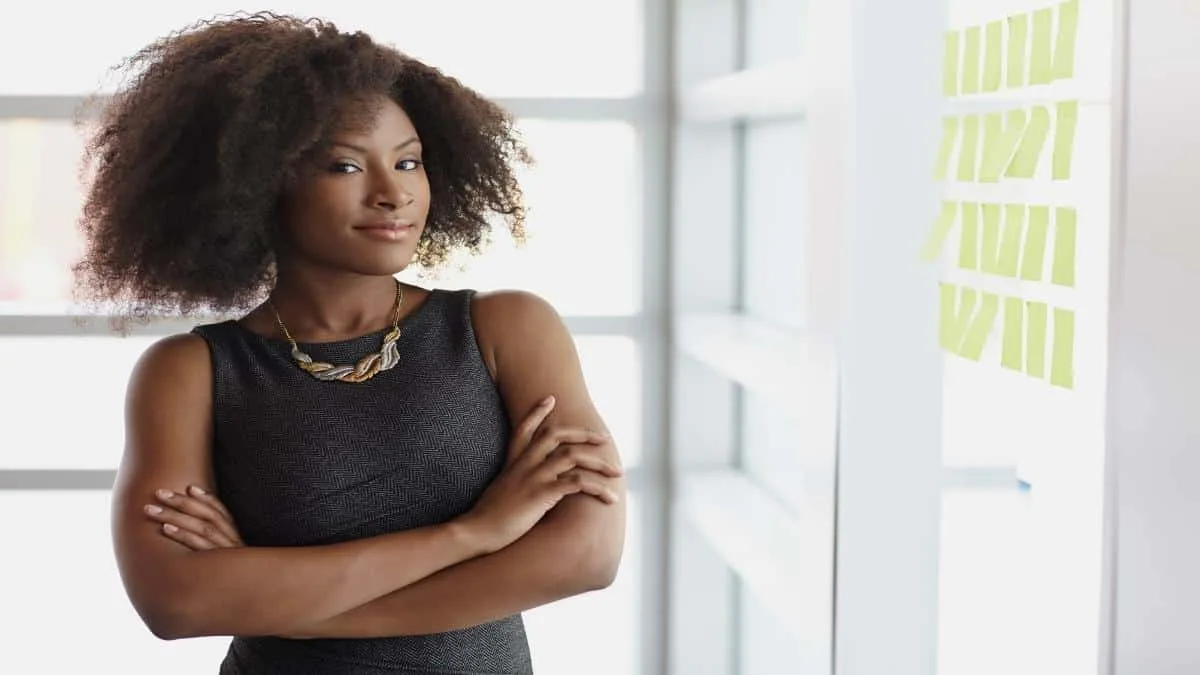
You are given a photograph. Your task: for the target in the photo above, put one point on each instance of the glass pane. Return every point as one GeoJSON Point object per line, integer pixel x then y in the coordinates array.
{"type": "Point", "coordinates": [61, 416]}
{"type": "Point", "coordinates": [584, 260]}
{"type": "Point", "coordinates": [596, 633]}
{"type": "Point", "coordinates": [612, 367]}
{"type": "Point", "coordinates": [776, 249]}
{"type": "Point", "coordinates": [768, 646]}
{"type": "Point", "coordinates": [1021, 565]}
{"type": "Point", "coordinates": [775, 31]}
{"type": "Point", "coordinates": [771, 447]}
{"type": "Point", "coordinates": [104, 628]}
{"type": "Point", "coordinates": [83, 598]}
{"type": "Point", "coordinates": [56, 418]}
{"type": "Point", "coordinates": [40, 199]}
{"type": "Point", "coordinates": [512, 48]}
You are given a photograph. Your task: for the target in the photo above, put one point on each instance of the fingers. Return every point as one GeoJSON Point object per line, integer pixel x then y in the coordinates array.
{"type": "Point", "coordinates": [188, 530]}
{"type": "Point", "coordinates": [190, 517]}
{"type": "Point", "coordinates": [551, 439]}
{"type": "Point", "coordinates": [200, 508]}
{"type": "Point", "coordinates": [523, 435]}
{"type": "Point", "coordinates": [588, 457]}
{"type": "Point", "coordinates": [210, 499]}
{"type": "Point", "coordinates": [590, 483]}
{"type": "Point", "coordinates": [187, 538]}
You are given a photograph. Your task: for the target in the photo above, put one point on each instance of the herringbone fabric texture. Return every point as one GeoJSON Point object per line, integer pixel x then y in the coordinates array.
{"type": "Point", "coordinates": [304, 462]}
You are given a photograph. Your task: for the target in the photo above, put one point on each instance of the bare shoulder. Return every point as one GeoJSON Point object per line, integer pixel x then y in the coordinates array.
{"type": "Point", "coordinates": [176, 360]}
{"type": "Point", "coordinates": [505, 320]}
{"type": "Point", "coordinates": [506, 307]}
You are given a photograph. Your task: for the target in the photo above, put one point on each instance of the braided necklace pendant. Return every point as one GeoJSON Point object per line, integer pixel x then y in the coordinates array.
{"type": "Point", "coordinates": [369, 366]}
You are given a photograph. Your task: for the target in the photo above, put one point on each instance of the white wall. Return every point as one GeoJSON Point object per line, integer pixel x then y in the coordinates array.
{"type": "Point", "coordinates": [1155, 348]}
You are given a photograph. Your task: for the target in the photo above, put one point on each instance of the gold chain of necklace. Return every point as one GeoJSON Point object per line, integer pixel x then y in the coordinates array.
{"type": "Point", "coordinates": [369, 366]}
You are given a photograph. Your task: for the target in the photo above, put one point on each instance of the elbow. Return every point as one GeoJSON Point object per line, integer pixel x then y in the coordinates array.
{"type": "Point", "coordinates": [174, 616]}
{"type": "Point", "coordinates": [597, 567]}
{"type": "Point", "coordinates": [169, 624]}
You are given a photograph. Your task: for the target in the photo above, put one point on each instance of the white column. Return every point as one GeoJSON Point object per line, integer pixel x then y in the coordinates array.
{"type": "Point", "coordinates": [878, 97]}
{"type": "Point", "coordinates": [1154, 382]}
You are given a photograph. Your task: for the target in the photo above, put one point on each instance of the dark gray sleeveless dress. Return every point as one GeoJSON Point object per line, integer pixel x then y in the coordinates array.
{"type": "Point", "coordinates": [304, 462]}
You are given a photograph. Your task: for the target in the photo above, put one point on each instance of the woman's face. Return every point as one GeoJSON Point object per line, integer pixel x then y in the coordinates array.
{"type": "Point", "coordinates": [360, 205]}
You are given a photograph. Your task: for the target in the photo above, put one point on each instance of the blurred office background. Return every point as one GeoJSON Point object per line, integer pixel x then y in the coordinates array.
{"type": "Point", "coordinates": [729, 208]}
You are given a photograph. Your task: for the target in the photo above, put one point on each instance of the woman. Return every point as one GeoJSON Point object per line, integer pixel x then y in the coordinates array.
{"type": "Point", "coordinates": [356, 475]}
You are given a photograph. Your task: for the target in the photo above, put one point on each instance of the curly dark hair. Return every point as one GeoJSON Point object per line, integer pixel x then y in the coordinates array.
{"type": "Point", "coordinates": [189, 159]}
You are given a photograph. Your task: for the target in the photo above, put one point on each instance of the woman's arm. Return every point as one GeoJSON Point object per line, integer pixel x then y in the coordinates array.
{"type": "Point", "coordinates": [270, 591]}
{"type": "Point", "coordinates": [576, 548]}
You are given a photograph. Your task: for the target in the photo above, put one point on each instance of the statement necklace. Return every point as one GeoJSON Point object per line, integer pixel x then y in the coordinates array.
{"type": "Point", "coordinates": [385, 359]}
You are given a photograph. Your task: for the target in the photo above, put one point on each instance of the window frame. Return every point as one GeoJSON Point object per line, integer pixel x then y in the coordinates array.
{"type": "Point", "coordinates": [648, 113]}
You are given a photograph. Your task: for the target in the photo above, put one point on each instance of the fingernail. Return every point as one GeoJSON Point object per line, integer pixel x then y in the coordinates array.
{"type": "Point", "coordinates": [167, 527]}
{"type": "Point", "coordinates": [165, 494]}
{"type": "Point", "coordinates": [549, 400]}
{"type": "Point", "coordinates": [153, 510]}
{"type": "Point", "coordinates": [197, 490]}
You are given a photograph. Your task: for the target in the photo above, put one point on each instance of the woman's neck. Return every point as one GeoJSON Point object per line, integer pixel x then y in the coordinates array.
{"type": "Point", "coordinates": [319, 307]}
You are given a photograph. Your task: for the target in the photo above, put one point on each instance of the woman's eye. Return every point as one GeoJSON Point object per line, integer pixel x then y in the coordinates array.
{"type": "Point", "coordinates": [408, 164]}
{"type": "Point", "coordinates": [343, 167]}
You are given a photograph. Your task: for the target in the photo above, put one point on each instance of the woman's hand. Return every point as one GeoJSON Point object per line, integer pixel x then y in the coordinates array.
{"type": "Point", "coordinates": [196, 519]}
{"type": "Point", "coordinates": [543, 466]}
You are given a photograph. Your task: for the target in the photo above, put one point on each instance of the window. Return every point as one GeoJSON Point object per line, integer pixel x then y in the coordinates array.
{"type": "Point", "coordinates": [1021, 541]}
{"type": "Point", "coordinates": [516, 48]}
{"type": "Point", "coordinates": [583, 250]}
{"type": "Point", "coordinates": [754, 398]}
{"type": "Point", "coordinates": [83, 597]}
{"type": "Point", "coordinates": [574, 76]}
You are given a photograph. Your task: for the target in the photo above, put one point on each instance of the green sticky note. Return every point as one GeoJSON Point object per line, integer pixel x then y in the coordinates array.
{"type": "Point", "coordinates": [1035, 339]}
{"type": "Point", "coordinates": [968, 153]}
{"type": "Point", "coordinates": [941, 228]}
{"type": "Point", "coordinates": [1000, 137]}
{"type": "Point", "coordinates": [981, 327]}
{"type": "Point", "coordinates": [970, 60]}
{"type": "Point", "coordinates": [1062, 365]}
{"type": "Point", "coordinates": [1066, 116]}
{"type": "Point", "coordinates": [968, 243]}
{"type": "Point", "coordinates": [1064, 45]}
{"type": "Point", "coordinates": [946, 149]}
{"type": "Point", "coordinates": [1001, 242]}
{"type": "Point", "coordinates": [1034, 256]}
{"type": "Point", "coordinates": [1025, 161]}
{"type": "Point", "coordinates": [1041, 67]}
{"type": "Point", "coordinates": [1011, 356]}
{"type": "Point", "coordinates": [993, 56]}
{"type": "Point", "coordinates": [950, 64]}
{"type": "Point", "coordinates": [1063, 271]}
{"type": "Point", "coordinates": [1018, 36]}
{"type": "Point", "coordinates": [955, 312]}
